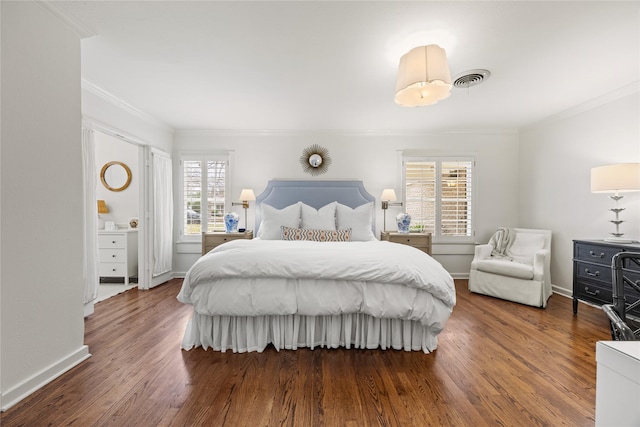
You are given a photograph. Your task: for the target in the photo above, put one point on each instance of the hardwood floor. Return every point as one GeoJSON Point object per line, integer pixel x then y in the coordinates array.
{"type": "Point", "coordinates": [497, 363]}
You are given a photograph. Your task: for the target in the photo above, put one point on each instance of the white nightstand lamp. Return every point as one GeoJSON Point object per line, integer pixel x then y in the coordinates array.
{"type": "Point", "coordinates": [619, 178]}
{"type": "Point", "coordinates": [388, 199]}
{"type": "Point", "coordinates": [246, 196]}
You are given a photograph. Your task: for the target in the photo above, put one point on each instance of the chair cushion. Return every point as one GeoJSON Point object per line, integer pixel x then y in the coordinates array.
{"type": "Point", "coordinates": [524, 247]}
{"type": "Point", "coordinates": [506, 268]}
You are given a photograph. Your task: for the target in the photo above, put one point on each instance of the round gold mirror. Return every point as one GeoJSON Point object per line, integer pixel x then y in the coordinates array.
{"type": "Point", "coordinates": [115, 176]}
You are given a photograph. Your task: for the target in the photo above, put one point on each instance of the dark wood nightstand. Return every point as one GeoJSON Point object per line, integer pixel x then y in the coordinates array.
{"type": "Point", "coordinates": [420, 241]}
{"type": "Point", "coordinates": [211, 240]}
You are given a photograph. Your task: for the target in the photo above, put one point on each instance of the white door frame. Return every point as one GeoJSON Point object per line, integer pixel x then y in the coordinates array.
{"type": "Point", "coordinates": [149, 241]}
{"type": "Point", "coordinates": [144, 276]}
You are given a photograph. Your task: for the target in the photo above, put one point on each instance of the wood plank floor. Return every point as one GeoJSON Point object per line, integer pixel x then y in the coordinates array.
{"type": "Point", "coordinates": [497, 363]}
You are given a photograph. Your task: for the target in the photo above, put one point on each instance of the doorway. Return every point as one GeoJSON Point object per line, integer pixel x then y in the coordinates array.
{"type": "Point", "coordinates": [118, 231]}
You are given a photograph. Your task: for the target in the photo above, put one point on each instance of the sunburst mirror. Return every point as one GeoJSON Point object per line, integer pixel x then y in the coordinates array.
{"type": "Point", "coordinates": [315, 160]}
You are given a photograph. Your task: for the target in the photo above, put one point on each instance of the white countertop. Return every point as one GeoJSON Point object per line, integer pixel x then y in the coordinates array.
{"type": "Point", "coordinates": [119, 230]}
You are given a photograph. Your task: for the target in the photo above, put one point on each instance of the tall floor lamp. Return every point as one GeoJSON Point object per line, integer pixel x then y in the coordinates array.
{"type": "Point", "coordinates": [619, 178]}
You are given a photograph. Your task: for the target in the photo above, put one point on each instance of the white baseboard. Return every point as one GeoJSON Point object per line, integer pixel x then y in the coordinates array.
{"type": "Point", "coordinates": [561, 291]}
{"type": "Point", "coordinates": [160, 279]}
{"type": "Point", "coordinates": [40, 379]}
{"type": "Point", "coordinates": [88, 309]}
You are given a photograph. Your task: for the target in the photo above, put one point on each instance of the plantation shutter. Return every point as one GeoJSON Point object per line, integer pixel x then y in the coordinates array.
{"type": "Point", "coordinates": [204, 186]}
{"type": "Point", "coordinates": [192, 201]}
{"type": "Point", "coordinates": [216, 175]}
{"type": "Point", "coordinates": [455, 200]}
{"type": "Point", "coordinates": [438, 195]}
{"type": "Point", "coordinates": [420, 193]}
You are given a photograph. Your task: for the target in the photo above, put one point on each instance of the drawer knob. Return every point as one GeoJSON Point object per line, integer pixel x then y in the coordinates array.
{"type": "Point", "coordinates": [590, 292]}
{"type": "Point", "coordinates": [113, 241]}
{"type": "Point", "coordinates": [113, 269]}
{"type": "Point", "coordinates": [113, 256]}
{"type": "Point", "coordinates": [595, 255]}
{"type": "Point", "coordinates": [596, 274]}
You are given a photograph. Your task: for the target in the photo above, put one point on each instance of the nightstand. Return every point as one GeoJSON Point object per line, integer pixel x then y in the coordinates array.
{"type": "Point", "coordinates": [211, 240]}
{"type": "Point", "coordinates": [420, 241]}
{"type": "Point", "coordinates": [118, 251]}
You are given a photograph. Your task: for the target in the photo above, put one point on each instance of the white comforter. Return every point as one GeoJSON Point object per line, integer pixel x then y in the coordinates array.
{"type": "Point", "coordinates": [267, 277]}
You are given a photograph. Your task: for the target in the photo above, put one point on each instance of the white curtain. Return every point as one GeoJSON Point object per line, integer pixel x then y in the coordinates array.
{"type": "Point", "coordinates": [162, 214]}
{"type": "Point", "coordinates": [91, 266]}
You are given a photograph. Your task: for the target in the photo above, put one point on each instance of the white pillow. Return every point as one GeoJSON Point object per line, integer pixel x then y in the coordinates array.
{"type": "Point", "coordinates": [358, 220]}
{"type": "Point", "coordinates": [320, 219]}
{"type": "Point", "coordinates": [524, 246]}
{"type": "Point", "coordinates": [273, 219]}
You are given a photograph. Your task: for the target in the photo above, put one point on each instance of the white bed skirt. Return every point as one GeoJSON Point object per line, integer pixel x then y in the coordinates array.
{"type": "Point", "coordinates": [253, 333]}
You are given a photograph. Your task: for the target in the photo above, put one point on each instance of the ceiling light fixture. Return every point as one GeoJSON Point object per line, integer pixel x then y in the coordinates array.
{"type": "Point", "coordinates": [423, 77]}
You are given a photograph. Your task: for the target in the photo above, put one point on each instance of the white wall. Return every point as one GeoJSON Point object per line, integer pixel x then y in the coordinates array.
{"type": "Point", "coordinates": [372, 157]}
{"type": "Point", "coordinates": [122, 205]}
{"type": "Point", "coordinates": [41, 316]}
{"type": "Point", "coordinates": [556, 158]}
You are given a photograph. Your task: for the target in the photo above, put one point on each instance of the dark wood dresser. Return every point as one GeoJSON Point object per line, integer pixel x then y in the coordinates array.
{"type": "Point", "coordinates": [592, 277]}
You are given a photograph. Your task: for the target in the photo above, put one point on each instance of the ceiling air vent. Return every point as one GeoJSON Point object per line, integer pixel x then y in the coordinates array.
{"type": "Point", "coordinates": [471, 78]}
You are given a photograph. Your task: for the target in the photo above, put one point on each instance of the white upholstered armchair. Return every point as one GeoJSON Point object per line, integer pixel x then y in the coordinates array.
{"type": "Point", "coordinates": [514, 265]}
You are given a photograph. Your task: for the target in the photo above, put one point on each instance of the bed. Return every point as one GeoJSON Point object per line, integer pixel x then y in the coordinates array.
{"type": "Point", "coordinates": [316, 276]}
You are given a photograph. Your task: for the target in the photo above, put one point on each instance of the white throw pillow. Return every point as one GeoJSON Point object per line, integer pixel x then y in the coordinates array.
{"type": "Point", "coordinates": [358, 220]}
{"type": "Point", "coordinates": [524, 246]}
{"type": "Point", "coordinates": [319, 219]}
{"type": "Point", "coordinates": [273, 219]}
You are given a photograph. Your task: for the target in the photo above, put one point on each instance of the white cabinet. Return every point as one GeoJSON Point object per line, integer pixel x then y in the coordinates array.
{"type": "Point", "coordinates": [618, 383]}
{"type": "Point", "coordinates": [118, 252]}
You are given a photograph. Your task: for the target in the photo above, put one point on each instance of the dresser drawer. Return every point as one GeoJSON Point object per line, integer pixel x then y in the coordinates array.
{"type": "Point", "coordinates": [630, 265]}
{"type": "Point", "coordinates": [111, 269]}
{"type": "Point", "coordinates": [593, 292]}
{"type": "Point", "coordinates": [595, 272]}
{"type": "Point", "coordinates": [417, 241]}
{"type": "Point", "coordinates": [112, 241]}
{"type": "Point", "coordinates": [212, 240]}
{"type": "Point", "coordinates": [595, 253]}
{"type": "Point", "coordinates": [420, 241]}
{"type": "Point", "coordinates": [113, 255]}
{"type": "Point", "coordinates": [219, 239]}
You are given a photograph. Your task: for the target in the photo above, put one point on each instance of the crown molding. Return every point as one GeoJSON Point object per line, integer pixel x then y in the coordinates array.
{"type": "Point", "coordinates": [353, 132]}
{"type": "Point", "coordinates": [630, 89]}
{"type": "Point", "coordinates": [125, 106]}
{"type": "Point", "coordinates": [60, 12]}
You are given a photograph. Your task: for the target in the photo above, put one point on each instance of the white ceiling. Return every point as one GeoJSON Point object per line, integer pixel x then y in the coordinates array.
{"type": "Point", "coordinates": [331, 65]}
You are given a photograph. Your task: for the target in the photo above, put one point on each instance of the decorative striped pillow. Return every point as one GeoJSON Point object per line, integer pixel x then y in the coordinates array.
{"type": "Point", "coordinates": [342, 235]}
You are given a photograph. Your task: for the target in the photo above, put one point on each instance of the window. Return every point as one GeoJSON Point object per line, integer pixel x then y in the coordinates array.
{"type": "Point", "coordinates": [204, 189]}
{"type": "Point", "coordinates": [438, 195]}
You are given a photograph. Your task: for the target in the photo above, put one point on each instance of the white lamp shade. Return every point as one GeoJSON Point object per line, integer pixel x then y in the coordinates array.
{"type": "Point", "coordinates": [247, 195]}
{"type": "Point", "coordinates": [623, 177]}
{"type": "Point", "coordinates": [388, 195]}
{"type": "Point", "coordinates": [423, 76]}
